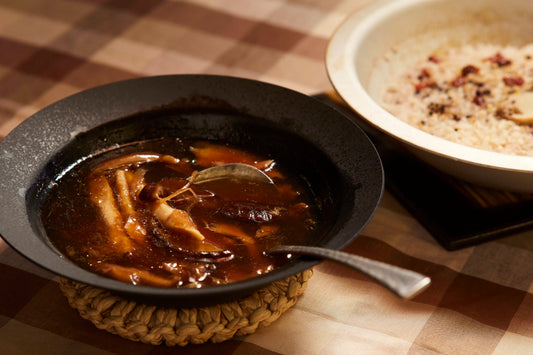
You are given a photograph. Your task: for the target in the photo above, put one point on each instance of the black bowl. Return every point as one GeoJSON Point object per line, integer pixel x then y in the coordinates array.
{"type": "Point", "coordinates": [324, 147]}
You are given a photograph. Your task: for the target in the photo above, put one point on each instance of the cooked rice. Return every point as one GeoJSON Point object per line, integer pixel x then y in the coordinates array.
{"type": "Point", "coordinates": [452, 111]}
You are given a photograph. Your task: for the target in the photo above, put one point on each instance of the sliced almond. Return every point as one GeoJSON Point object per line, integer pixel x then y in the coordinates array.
{"type": "Point", "coordinates": [523, 108]}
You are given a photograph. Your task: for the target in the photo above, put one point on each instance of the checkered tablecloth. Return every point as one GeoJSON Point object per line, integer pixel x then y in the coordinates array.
{"type": "Point", "coordinates": [481, 299]}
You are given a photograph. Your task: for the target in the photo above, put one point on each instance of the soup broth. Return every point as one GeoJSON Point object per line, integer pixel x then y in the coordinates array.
{"type": "Point", "coordinates": [132, 214]}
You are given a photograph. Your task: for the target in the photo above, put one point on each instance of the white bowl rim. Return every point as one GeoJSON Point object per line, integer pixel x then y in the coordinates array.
{"type": "Point", "coordinates": [344, 44]}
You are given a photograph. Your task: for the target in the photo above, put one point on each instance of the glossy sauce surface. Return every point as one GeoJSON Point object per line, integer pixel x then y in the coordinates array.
{"type": "Point", "coordinates": [132, 214]}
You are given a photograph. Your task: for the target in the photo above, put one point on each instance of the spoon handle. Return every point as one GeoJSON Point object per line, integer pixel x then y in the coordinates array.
{"type": "Point", "coordinates": [405, 283]}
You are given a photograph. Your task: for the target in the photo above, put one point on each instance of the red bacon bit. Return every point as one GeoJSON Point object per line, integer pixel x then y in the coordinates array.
{"type": "Point", "coordinates": [424, 79]}
{"type": "Point", "coordinates": [458, 81]}
{"type": "Point", "coordinates": [469, 69]}
{"type": "Point", "coordinates": [424, 74]}
{"type": "Point", "coordinates": [434, 59]}
{"type": "Point", "coordinates": [421, 86]}
{"type": "Point", "coordinates": [513, 81]}
{"type": "Point", "coordinates": [500, 60]}
{"type": "Point", "coordinates": [479, 99]}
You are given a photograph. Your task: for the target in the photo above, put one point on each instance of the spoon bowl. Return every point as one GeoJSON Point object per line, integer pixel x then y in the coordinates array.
{"type": "Point", "coordinates": [227, 171]}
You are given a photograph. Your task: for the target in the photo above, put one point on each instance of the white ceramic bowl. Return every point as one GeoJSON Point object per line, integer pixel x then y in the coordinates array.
{"type": "Point", "coordinates": [358, 70]}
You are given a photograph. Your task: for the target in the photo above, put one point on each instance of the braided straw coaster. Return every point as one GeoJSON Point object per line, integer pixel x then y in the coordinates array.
{"type": "Point", "coordinates": [155, 325]}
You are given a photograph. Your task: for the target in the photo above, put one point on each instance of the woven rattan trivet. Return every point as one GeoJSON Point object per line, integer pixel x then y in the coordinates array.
{"type": "Point", "coordinates": [156, 325]}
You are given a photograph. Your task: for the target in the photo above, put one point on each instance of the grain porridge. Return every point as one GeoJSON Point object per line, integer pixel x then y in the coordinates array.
{"type": "Point", "coordinates": [470, 95]}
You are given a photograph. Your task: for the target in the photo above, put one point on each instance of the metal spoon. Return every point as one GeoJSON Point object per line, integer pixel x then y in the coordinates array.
{"type": "Point", "coordinates": [405, 283]}
{"type": "Point", "coordinates": [227, 171]}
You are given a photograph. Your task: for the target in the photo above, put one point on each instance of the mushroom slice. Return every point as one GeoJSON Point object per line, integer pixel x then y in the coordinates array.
{"type": "Point", "coordinates": [267, 230]}
{"type": "Point", "coordinates": [231, 231]}
{"type": "Point", "coordinates": [123, 193]}
{"type": "Point", "coordinates": [132, 226]}
{"type": "Point", "coordinates": [134, 159]}
{"type": "Point", "coordinates": [136, 276]}
{"type": "Point", "coordinates": [176, 219]}
{"type": "Point", "coordinates": [269, 167]}
{"type": "Point", "coordinates": [102, 196]}
{"type": "Point", "coordinates": [135, 230]}
{"type": "Point", "coordinates": [209, 154]}
{"type": "Point", "coordinates": [521, 108]}
{"type": "Point", "coordinates": [137, 182]}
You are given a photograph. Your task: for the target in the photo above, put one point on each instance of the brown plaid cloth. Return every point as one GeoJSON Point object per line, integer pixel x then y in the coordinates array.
{"type": "Point", "coordinates": [481, 299]}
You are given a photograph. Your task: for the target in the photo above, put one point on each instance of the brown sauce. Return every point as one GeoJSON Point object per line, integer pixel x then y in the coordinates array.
{"type": "Point", "coordinates": [132, 215]}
